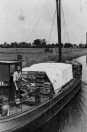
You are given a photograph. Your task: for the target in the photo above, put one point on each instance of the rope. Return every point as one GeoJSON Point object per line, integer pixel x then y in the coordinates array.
{"type": "Point", "coordinates": [64, 30]}
{"type": "Point", "coordinates": [52, 26]}
{"type": "Point", "coordinates": [80, 6]}
{"type": "Point", "coordinates": [65, 25]}
{"type": "Point", "coordinates": [37, 22]}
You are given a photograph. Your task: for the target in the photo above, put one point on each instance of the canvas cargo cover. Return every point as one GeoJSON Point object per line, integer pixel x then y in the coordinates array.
{"type": "Point", "coordinates": [58, 73]}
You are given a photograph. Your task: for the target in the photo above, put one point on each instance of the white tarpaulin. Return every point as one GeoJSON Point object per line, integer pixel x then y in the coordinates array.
{"type": "Point", "coordinates": [58, 73]}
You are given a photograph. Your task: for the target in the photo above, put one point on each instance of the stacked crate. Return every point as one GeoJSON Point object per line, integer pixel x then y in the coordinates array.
{"type": "Point", "coordinates": [40, 79]}
{"type": "Point", "coordinates": [39, 83]}
{"type": "Point", "coordinates": [44, 86]}
{"type": "Point", "coordinates": [76, 70]}
{"type": "Point", "coordinates": [47, 87]}
{"type": "Point", "coordinates": [32, 76]}
{"type": "Point", "coordinates": [76, 67]}
{"type": "Point", "coordinates": [32, 80]}
{"type": "Point", "coordinates": [36, 79]}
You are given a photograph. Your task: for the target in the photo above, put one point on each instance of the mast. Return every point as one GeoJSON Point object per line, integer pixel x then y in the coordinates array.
{"type": "Point", "coordinates": [58, 7]}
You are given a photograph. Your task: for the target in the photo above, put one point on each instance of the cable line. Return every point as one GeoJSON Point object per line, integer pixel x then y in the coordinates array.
{"type": "Point", "coordinates": [64, 31]}
{"type": "Point", "coordinates": [65, 25]}
{"type": "Point", "coordinates": [37, 22]}
{"type": "Point", "coordinates": [52, 26]}
{"type": "Point", "coordinates": [80, 6]}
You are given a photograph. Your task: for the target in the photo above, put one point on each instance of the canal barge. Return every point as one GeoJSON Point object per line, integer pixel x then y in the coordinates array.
{"type": "Point", "coordinates": [48, 88]}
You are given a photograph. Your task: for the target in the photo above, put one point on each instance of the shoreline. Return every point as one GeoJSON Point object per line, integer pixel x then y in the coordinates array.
{"type": "Point", "coordinates": [37, 55]}
{"type": "Point", "coordinates": [54, 58]}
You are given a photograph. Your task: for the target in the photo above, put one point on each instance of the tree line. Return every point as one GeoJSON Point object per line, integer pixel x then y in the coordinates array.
{"type": "Point", "coordinates": [39, 43]}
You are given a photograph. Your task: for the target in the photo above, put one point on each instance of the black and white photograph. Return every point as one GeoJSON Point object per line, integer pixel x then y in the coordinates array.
{"type": "Point", "coordinates": [43, 66]}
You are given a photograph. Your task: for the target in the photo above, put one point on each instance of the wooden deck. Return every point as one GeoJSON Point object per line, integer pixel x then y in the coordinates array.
{"type": "Point", "coordinates": [23, 105]}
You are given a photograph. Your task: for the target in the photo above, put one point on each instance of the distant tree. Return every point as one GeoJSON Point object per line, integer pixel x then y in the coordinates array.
{"type": "Point", "coordinates": [37, 43]}
{"type": "Point", "coordinates": [57, 45]}
{"type": "Point", "coordinates": [75, 46]}
{"type": "Point", "coordinates": [14, 45]}
{"type": "Point", "coordinates": [81, 45]}
{"type": "Point", "coordinates": [61, 44]}
{"type": "Point", "coordinates": [53, 45]}
{"type": "Point", "coordinates": [29, 45]}
{"type": "Point", "coordinates": [43, 43]}
{"type": "Point", "coordinates": [2, 46]}
{"type": "Point", "coordinates": [68, 45]}
{"type": "Point", "coordinates": [5, 44]}
{"type": "Point", "coordinates": [24, 45]}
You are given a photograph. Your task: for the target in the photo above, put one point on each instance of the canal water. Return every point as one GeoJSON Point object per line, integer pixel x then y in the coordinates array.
{"type": "Point", "coordinates": [73, 117]}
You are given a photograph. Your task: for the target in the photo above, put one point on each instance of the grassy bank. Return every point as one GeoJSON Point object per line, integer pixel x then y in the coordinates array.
{"type": "Point", "coordinates": [36, 55]}
{"type": "Point", "coordinates": [67, 54]}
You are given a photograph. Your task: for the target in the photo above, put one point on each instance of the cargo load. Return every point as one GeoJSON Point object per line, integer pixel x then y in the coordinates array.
{"type": "Point", "coordinates": [76, 67]}
{"type": "Point", "coordinates": [58, 73]}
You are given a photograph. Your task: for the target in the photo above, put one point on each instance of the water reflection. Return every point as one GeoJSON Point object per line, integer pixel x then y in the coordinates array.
{"type": "Point", "coordinates": [73, 117]}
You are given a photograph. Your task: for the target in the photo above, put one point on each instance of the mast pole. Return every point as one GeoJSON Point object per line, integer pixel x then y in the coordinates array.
{"type": "Point", "coordinates": [58, 6]}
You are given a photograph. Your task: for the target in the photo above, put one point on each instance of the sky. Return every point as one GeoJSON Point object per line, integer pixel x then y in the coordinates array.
{"type": "Point", "coordinates": [18, 18]}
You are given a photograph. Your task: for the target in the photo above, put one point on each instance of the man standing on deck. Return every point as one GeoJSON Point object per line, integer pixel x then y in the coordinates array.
{"type": "Point", "coordinates": [17, 78]}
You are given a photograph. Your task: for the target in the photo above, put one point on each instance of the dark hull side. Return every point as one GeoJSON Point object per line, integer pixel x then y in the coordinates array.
{"type": "Point", "coordinates": [34, 119]}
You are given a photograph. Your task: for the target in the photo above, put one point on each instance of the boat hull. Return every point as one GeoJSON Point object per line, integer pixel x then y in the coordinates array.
{"type": "Point", "coordinates": [34, 119]}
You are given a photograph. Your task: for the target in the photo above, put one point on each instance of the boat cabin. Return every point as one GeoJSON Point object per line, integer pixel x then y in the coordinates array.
{"type": "Point", "coordinates": [7, 69]}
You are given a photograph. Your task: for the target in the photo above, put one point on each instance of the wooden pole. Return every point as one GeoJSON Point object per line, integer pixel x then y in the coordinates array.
{"type": "Point", "coordinates": [58, 6]}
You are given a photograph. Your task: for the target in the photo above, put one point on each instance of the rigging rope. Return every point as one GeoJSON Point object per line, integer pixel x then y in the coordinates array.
{"type": "Point", "coordinates": [64, 30]}
{"type": "Point", "coordinates": [52, 26]}
{"type": "Point", "coordinates": [37, 22]}
{"type": "Point", "coordinates": [80, 6]}
{"type": "Point", "coordinates": [65, 25]}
